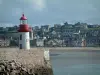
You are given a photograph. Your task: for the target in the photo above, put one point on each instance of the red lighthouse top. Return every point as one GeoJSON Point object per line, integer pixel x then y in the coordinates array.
{"type": "Point", "coordinates": [23, 27]}
{"type": "Point", "coordinates": [23, 17]}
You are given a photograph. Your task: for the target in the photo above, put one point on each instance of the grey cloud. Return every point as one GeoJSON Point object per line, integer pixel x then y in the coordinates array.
{"type": "Point", "coordinates": [55, 11]}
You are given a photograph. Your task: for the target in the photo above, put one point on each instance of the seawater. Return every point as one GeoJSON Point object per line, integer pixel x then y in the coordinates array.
{"type": "Point", "coordinates": [75, 63]}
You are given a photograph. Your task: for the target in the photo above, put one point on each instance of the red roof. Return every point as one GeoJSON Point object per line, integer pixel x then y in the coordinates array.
{"type": "Point", "coordinates": [24, 28]}
{"type": "Point", "coordinates": [23, 17]}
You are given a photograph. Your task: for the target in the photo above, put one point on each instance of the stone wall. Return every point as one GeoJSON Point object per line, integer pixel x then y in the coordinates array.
{"type": "Point", "coordinates": [24, 62]}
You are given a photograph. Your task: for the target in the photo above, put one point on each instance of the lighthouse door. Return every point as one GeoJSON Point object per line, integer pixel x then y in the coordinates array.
{"type": "Point", "coordinates": [20, 46]}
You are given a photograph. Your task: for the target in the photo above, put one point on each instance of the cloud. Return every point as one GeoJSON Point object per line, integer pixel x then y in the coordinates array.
{"type": "Point", "coordinates": [50, 11]}
{"type": "Point", "coordinates": [37, 5]}
{"type": "Point", "coordinates": [16, 11]}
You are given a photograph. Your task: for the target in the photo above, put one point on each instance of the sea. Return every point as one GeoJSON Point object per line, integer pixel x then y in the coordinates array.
{"type": "Point", "coordinates": [75, 62]}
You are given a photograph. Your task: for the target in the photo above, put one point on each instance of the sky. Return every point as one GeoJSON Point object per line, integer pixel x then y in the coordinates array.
{"type": "Point", "coordinates": [40, 12]}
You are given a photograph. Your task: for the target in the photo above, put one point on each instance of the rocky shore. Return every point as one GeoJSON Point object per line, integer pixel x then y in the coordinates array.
{"type": "Point", "coordinates": [21, 62]}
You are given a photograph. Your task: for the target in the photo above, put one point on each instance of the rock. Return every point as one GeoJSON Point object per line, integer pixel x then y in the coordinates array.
{"type": "Point", "coordinates": [31, 71]}
{"type": "Point", "coordinates": [13, 73]}
{"type": "Point", "coordinates": [2, 67]}
{"type": "Point", "coordinates": [12, 68]}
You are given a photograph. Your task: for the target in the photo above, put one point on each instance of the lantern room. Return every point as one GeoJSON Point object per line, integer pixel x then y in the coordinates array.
{"type": "Point", "coordinates": [23, 27]}
{"type": "Point", "coordinates": [23, 19]}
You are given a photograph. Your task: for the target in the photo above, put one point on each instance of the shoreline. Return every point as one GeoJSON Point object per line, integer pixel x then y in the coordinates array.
{"type": "Point", "coordinates": [76, 48]}
{"type": "Point", "coordinates": [54, 48]}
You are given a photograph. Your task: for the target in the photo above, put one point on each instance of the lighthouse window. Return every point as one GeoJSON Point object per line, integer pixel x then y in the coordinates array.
{"type": "Point", "coordinates": [23, 21]}
{"type": "Point", "coordinates": [20, 37]}
{"type": "Point", "coordinates": [20, 46]}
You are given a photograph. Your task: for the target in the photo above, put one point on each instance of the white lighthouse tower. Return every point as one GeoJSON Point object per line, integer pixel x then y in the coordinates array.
{"type": "Point", "coordinates": [24, 29]}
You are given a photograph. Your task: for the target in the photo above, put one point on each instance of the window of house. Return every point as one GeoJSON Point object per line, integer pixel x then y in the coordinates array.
{"type": "Point", "coordinates": [20, 37]}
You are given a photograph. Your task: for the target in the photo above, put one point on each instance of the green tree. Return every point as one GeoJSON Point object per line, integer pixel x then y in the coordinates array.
{"type": "Point", "coordinates": [66, 23]}
{"type": "Point", "coordinates": [78, 23]}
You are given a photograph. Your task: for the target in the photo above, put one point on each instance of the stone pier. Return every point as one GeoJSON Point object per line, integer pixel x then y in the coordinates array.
{"type": "Point", "coordinates": [24, 62]}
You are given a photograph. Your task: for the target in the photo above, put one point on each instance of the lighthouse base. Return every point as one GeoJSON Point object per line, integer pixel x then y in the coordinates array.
{"type": "Point", "coordinates": [24, 40]}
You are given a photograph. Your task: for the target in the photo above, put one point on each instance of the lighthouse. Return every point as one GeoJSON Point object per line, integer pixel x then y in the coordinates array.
{"type": "Point", "coordinates": [24, 29]}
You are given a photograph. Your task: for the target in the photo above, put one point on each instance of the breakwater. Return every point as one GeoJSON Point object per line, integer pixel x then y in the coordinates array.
{"type": "Point", "coordinates": [24, 62]}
